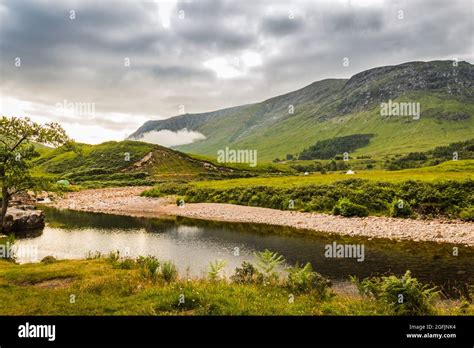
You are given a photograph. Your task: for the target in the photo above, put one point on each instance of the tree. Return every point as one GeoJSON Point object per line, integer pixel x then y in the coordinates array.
{"type": "Point", "coordinates": [17, 136]}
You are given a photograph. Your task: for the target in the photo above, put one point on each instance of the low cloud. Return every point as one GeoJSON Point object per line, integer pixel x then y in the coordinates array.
{"type": "Point", "coordinates": [169, 138]}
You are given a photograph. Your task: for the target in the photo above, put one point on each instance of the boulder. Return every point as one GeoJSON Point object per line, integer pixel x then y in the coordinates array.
{"type": "Point", "coordinates": [24, 219]}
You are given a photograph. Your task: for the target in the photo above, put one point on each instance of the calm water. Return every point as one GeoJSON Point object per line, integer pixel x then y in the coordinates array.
{"type": "Point", "coordinates": [192, 244]}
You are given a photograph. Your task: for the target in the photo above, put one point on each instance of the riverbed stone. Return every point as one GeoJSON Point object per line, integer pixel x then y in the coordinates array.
{"type": "Point", "coordinates": [23, 219]}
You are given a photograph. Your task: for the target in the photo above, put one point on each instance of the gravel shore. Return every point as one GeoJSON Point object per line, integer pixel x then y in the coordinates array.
{"type": "Point", "coordinates": [126, 201]}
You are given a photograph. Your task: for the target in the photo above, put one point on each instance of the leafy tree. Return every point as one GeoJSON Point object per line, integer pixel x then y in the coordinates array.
{"type": "Point", "coordinates": [17, 136]}
{"type": "Point", "coordinates": [328, 148]}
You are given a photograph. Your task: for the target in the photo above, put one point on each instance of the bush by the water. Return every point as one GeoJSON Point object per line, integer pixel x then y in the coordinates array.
{"type": "Point", "coordinates": [168, 271]}
{"type": "Point", "coordinates": [467, 214]}
{"type": "Point", "coordinates": [48, 259]}
{"type": "Point", "coordinates": [303, 279]}
{"type": "Point", "coordinates": [404, 295]}
{"type": "Point", "coordinates": [400, 208]}
{"type": "Point", "coordinates": [346, 208]}
{"type": "Point", "coordinates": [149, 266]}
{"type": "Point", "coordinates": [247, 274]}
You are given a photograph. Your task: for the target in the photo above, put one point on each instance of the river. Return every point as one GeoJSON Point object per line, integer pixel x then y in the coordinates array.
{"type": "Point", "coordinates": [191, 244]}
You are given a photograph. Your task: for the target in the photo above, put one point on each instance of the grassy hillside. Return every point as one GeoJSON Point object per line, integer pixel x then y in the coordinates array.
{"type": "Point", "coordinates": [122, 163]}
{"type": "Point", "coordinates": [336, 107]}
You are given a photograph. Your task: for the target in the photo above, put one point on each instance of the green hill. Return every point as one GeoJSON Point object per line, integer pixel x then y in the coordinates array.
{"type": "Point", "coordinates": [123, 163]}
{"type": "Point", "coordinates": [337, 107]}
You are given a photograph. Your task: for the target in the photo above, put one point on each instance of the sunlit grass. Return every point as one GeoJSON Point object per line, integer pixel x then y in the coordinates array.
{"type": "Point", "coordinates": [459, 170]}
{"type": "Point", "coordinates": [99, 288]}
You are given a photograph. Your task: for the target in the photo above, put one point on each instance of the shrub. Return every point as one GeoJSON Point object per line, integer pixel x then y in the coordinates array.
{"type": "Point", "coordinates": [400, 208]}
{"type": "Point", "coordinates": [303, 279]}
{"type": "Point", "coordinates": [149, 266]}
{"type": "Point", "coordinates": [467, 214]}
{"type": "Point", "coordinates": [168, 271]}
{"type": "Point", "coordinates": [404, 295]}
{"type": "Point", "coordinates": [48, 259]}
{"type": "Point", "coordinates": [215, 268]}
{"type": "Point", "coordinates": [321, 203]}
{"type": "Point", "coordinates": [247, 274]}
{"type": "Point", "coordinates": [154, 192]}
{"type": "Point", "coordinates": [254, 201]}
{"type": "Point", "coordinates": [445, 198]}
{"type": "Point", "coordinates": [126, 263]}
{"type": "Point", "coordinates": [346, 208]}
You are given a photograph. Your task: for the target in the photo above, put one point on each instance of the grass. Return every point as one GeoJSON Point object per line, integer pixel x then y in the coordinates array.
{"type": "Point", "coordinates": [124, 163]}
{"type": "Point", "coordinates": [453, 170]}
{"type": "Point", "coordinates": [261, 167]}
{"type": "Point", "coordinates": [100, 287]}
{"type": "Point", "coordinates": [440, 191]}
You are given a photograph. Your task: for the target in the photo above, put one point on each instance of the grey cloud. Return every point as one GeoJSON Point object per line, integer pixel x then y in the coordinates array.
{"type": "Point", "coordinates": [82, 60]}
{"type": "Point", "coordinates": [280, 26]}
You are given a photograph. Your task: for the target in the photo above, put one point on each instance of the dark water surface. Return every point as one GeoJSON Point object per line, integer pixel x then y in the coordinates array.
{"type": "Point", "coordinates": [191, 244]}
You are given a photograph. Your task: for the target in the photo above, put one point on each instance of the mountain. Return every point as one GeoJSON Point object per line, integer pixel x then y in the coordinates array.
{"type": "Point", "coordinates": [125, 162]}
{"type": "Point", "coordinates": [341, 107]}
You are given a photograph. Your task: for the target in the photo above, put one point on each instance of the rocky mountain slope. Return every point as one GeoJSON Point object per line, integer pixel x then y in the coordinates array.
{"type": "Point", "coordinates": [289, 123]}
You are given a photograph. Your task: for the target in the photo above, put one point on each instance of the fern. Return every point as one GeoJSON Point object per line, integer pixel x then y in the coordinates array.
{"type": "Point", "coordinates": [215, 268]}
{"type": "Point", "coordinates": [268, 262]}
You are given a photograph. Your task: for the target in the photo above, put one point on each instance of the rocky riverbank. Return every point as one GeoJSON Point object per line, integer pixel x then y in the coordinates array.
{"type": "Point", "coordinates": [126, 201]}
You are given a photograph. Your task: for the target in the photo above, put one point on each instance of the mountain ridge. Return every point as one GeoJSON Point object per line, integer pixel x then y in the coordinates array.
{"type": "Point", "coordinates": [326, 108]}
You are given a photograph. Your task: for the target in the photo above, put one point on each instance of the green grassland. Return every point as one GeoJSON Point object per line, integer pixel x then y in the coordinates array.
{"type": "Point", "coordinates": [443, 190]}
{"type": "Point", "coordinates": [260, 168]}
{"type": "Point", "coordinates": [452, 170]}
{"type": "Point", "coordinates": [119, 287]}
{"type": "Point", "coordinates": [125, 163]}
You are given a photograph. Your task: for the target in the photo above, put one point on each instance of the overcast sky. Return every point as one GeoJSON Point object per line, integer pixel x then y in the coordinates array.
{"type": "Point", "coordinates": [102, 68]}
